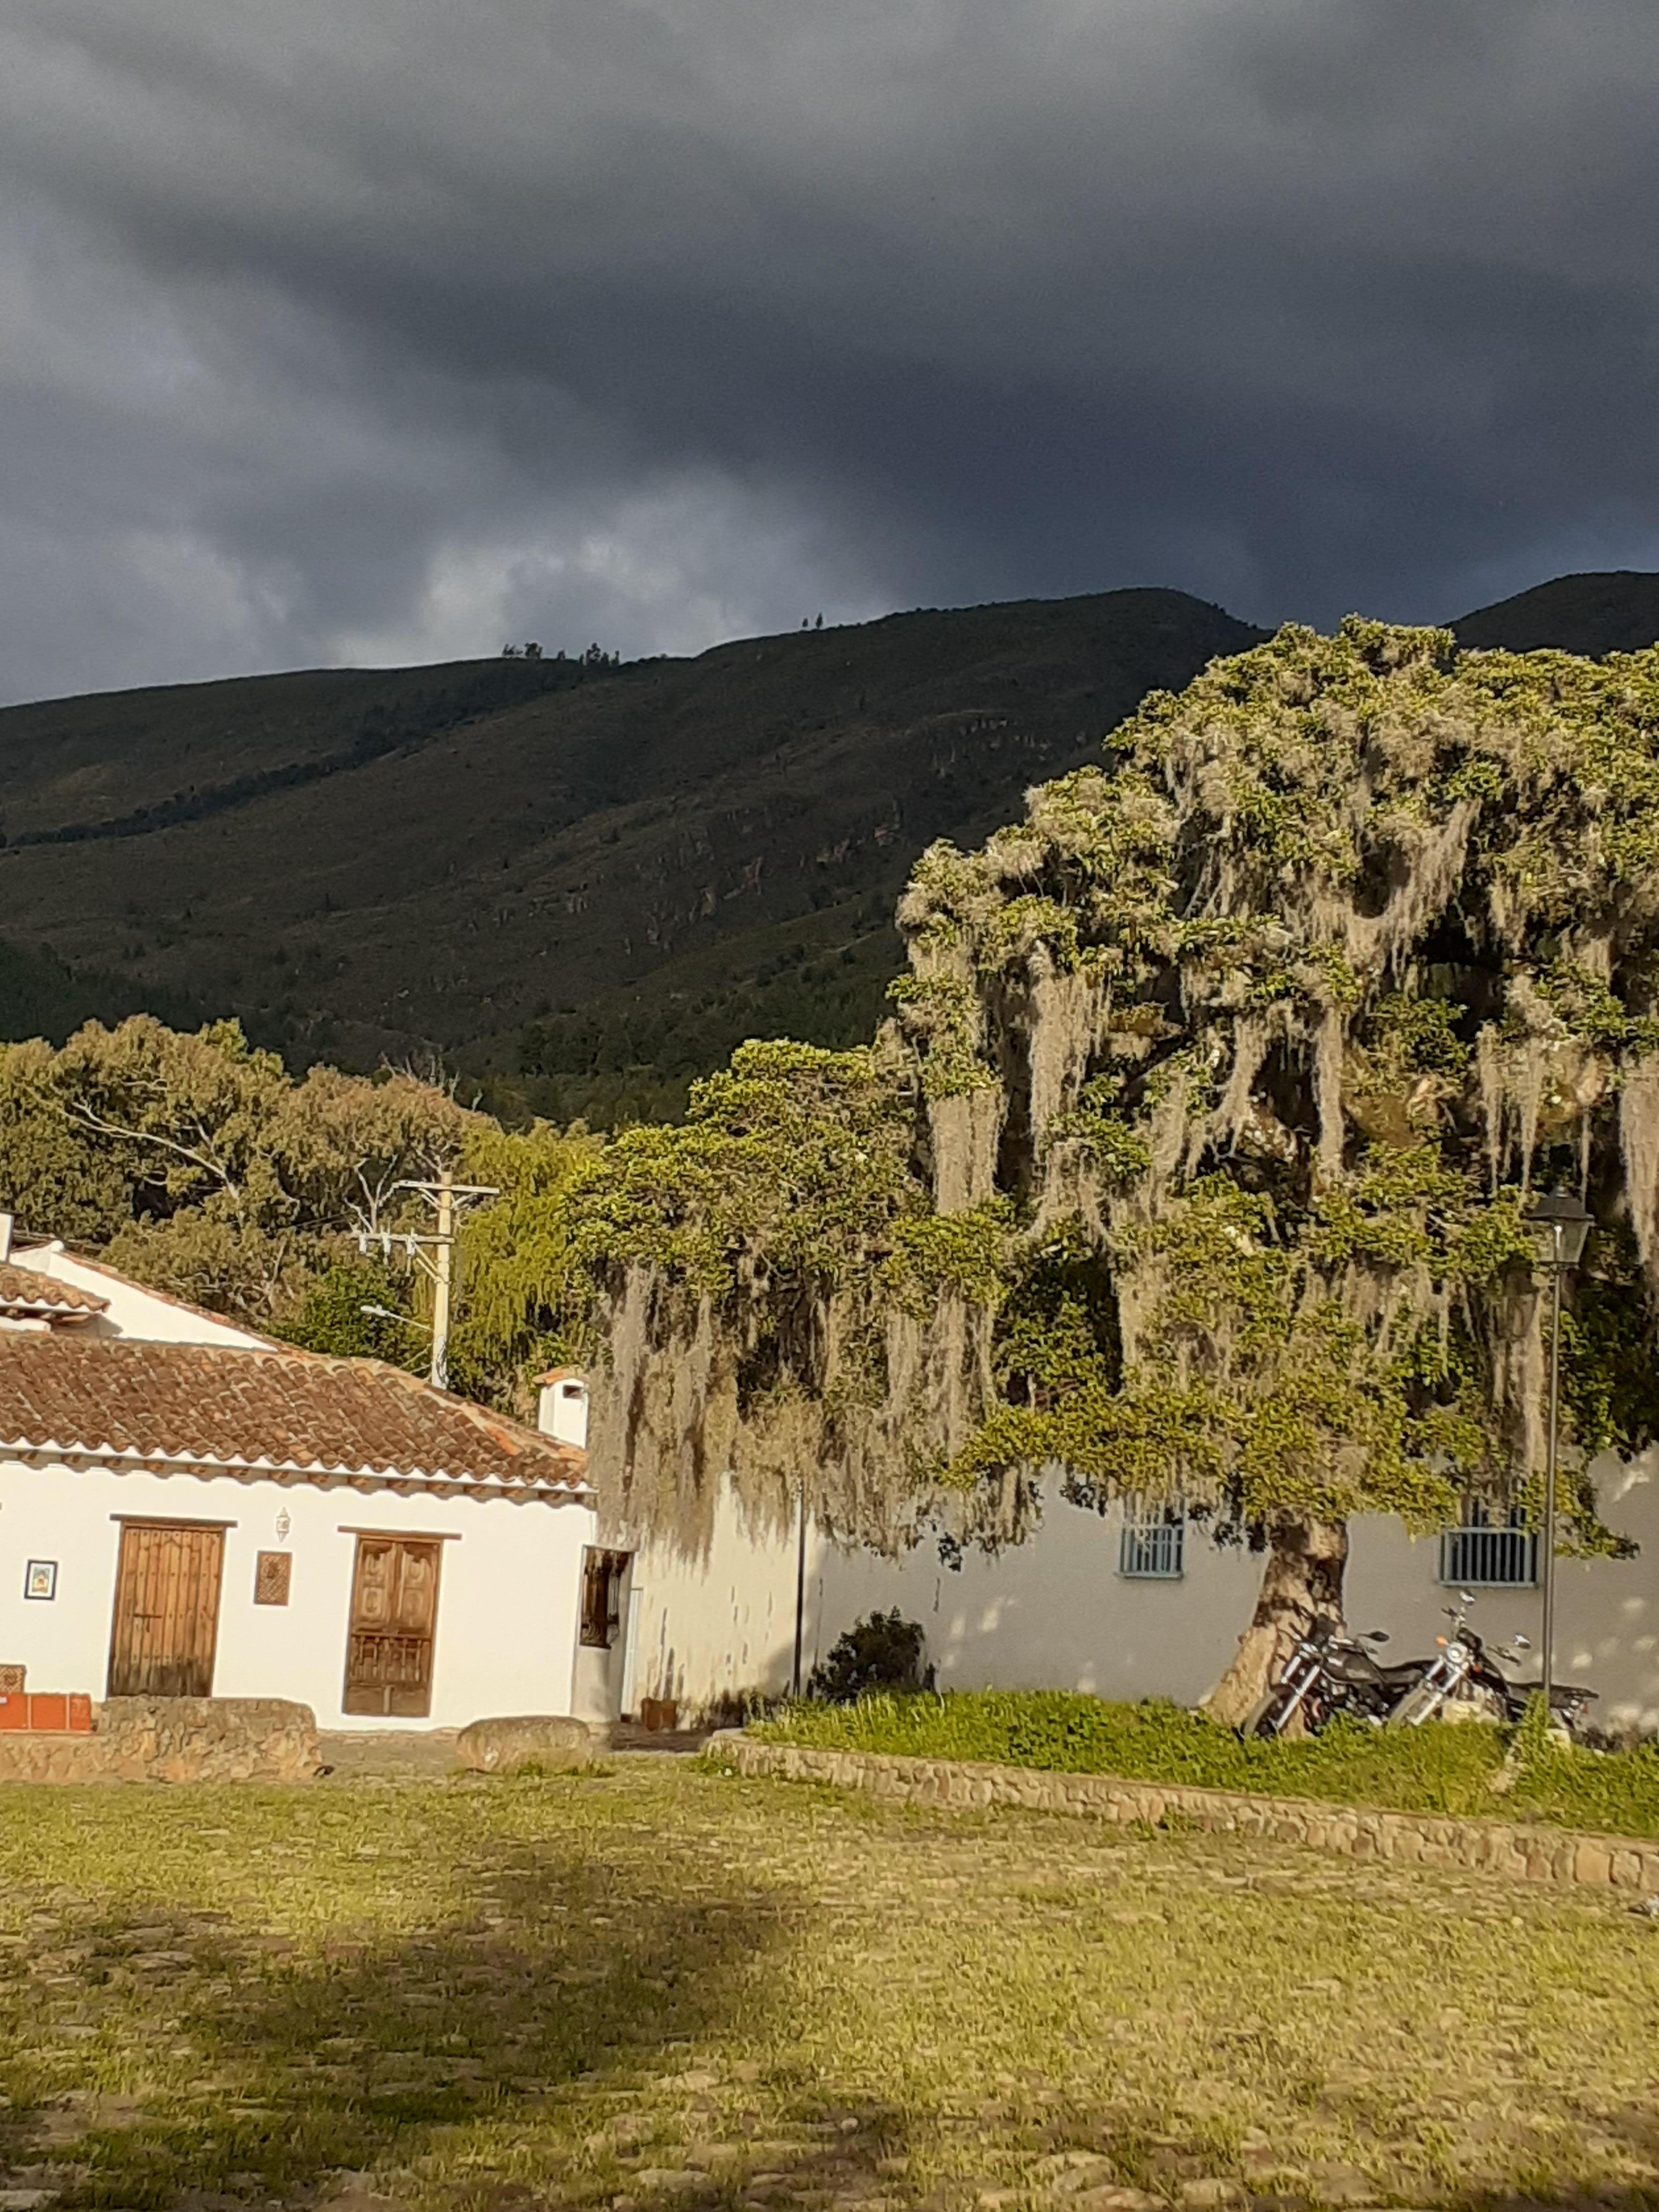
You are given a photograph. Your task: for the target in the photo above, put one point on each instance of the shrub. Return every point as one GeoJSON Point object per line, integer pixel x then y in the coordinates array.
{"type": "Point", "coordinates": [883, 1652]}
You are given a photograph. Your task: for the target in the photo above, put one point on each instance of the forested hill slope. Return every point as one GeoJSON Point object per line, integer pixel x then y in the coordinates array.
{"type": "Point", "coordinates": [636, 865]}
{"type": "Point", "coordinates": [595, 878]}
{"type": "Point", "coordinates": [1612, 610]}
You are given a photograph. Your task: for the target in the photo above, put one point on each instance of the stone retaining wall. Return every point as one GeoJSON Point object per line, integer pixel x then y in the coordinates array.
{"type": "Point", "coordinates": [174, 1740]}
{"type": "Point", "coordinates": [1535, 1854]}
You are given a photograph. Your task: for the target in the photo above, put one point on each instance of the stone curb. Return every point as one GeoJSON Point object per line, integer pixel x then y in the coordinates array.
{"type": "Point", "coordinates": [1532, 1854]}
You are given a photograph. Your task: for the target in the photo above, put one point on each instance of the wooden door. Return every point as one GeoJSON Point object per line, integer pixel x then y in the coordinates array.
{"type": "Point", "coordinates": [394, 1614]}
{"type": "Point", "coordinates": [166, 1610]}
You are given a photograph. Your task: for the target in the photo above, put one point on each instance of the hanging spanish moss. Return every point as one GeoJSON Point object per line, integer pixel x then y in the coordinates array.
{"type": "Point", "coordinates": [783, 1303]}
{"type": "Point", "coordinates": [1196, 1157]}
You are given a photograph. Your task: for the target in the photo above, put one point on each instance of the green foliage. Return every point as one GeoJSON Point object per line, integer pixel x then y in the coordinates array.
{"type": "Point", "coordinates": [1366, 927]}
{"type": "Point", "coordinates": [1610, 1377]}
{"type": "Point", "coordinates": [942, 1009]}
{"type": "Point", "coordinates": [201, 1166]}
{"type": "Point", "coordinates": [330, 1317]}
{"type": "Point", "coordinates": [524, 1301]}
{"type": "Point", "coordinates": [1438, 1769]}
{"type": "Point", "coordinates": [966, 1254]}
{"type": "Point", "coordinates": [1118, 1148]}
{"type": "Point", "coordinates": [1057, 1331]}
{"type": "Point", "coordinates": [881, 1653]}
{"type": "Point", "coordinates": [793, 1164]}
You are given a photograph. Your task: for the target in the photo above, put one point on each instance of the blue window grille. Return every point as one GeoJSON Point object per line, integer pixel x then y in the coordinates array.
{"type": "Point", "coordinates": [1152, 1544]}
{"type": "Point", "coordinates": [1493, 1550]}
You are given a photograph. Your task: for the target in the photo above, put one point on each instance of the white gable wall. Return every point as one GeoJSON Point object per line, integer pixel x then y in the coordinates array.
{"type": "Point", "coordinates": [508, 1596]}
{"type": "Point", "coordinates": [712, 1628]}
{"type": "Point", "coordinates": [132, 1309]}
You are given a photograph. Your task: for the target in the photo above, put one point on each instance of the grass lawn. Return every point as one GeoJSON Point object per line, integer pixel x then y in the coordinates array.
{"type": "Point", "coordinates": [662, 1986]}
{"type": "Point", "coordinates": [1438, 1769]}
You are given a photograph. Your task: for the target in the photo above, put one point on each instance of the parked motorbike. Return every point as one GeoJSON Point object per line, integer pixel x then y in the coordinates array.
{"type": "Point", "coordinates": [1464, 1671]}
{"type": "Point", "coordinates": [1325, 1674]}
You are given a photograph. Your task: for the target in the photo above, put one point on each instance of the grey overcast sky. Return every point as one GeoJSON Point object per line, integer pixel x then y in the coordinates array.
{"type": "Point", "coordinates": [393, 329]}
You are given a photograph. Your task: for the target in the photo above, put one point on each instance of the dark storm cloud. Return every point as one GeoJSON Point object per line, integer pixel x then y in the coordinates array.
{"type": "Point", "coordinates": [396, 329]}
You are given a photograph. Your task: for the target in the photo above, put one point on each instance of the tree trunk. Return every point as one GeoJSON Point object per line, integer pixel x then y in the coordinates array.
{"type": "Point", "coordinates": [1301, 1584]}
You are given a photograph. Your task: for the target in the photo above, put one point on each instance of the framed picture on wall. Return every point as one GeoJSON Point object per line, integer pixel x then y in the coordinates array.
{"type": "Point", "coordinates": [40, 1578]}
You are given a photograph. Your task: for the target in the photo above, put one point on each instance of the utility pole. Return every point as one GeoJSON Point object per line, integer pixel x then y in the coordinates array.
{"type": "Point", "coordinates": [442, 1281]}
{"type": "Point", "coordinates": [800, 1586]}
{"type": "Point", "coordinates": [434, 1255]}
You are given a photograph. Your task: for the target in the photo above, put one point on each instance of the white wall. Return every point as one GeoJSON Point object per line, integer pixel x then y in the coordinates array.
{"type": "Point", "coordinates": [1054, 1613]}
{"type": "Point", "coordinates": [131, 1309]}
{"type": "Point", "coordinates": [508, 1589]}
{"type": "Point", "coordinates": [1607, 1611]}
{"type": "Point", "coordinates": [715, 1627]}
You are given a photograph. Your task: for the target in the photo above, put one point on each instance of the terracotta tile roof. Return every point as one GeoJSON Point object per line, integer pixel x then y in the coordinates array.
{"type": "Point", "coordinates": [289, 1414]}
{"type": "Point", "coordinates": [23, 1291]}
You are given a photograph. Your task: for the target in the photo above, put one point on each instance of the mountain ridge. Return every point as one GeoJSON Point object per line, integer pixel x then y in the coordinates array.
{"type": "Point", "coordinates": [581, 883]}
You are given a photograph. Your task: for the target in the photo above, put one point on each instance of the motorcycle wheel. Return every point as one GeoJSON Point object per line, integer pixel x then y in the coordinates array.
{"type": "Point", "coordinates": [1270, 1714]}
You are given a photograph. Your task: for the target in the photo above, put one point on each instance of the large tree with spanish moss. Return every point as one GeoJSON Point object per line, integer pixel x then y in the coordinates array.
{"type": "Point", "coordinates": [1194, 1160]}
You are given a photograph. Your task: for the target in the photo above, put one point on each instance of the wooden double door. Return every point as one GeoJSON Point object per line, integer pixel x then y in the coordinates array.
{"type": "Point", "coordinates": [165, 1630]}
{"type": "Point", "coordinates": [394, 1617]}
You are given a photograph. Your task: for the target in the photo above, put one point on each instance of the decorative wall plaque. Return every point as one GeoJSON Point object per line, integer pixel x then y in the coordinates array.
{"type": "Point", "coordinates": [271, 1577]}
{"type": "Point", "coordinates": [40, 1578]}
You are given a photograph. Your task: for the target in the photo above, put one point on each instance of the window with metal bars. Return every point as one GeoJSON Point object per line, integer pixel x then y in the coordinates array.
{"type": "Point", "coordinates": [1494, 1549]}
{"type": "Point", "coordinates": [1153, 1545]}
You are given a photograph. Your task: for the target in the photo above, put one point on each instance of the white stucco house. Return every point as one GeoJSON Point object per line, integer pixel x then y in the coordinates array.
{"type": "Point", "coordinates": [1122, 1606]}
{"type": "Point", "coordinates": [187, 1508]}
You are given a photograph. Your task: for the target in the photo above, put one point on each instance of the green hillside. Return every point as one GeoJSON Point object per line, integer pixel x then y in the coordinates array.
{"type": "Point", "coordinates": [581, 885]}
{"type": "Point", "coordinates": [1610, 611]}
{"type": "Point", "coordinates": [597, 880]}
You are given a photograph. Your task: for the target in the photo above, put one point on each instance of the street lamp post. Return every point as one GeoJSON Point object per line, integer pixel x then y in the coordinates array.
{"type": "Point", "coordinates": [1559, 1226]}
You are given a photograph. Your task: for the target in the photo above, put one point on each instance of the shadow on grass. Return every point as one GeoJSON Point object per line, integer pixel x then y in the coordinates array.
{"type": "Point", "coordinates": [550, 2047]}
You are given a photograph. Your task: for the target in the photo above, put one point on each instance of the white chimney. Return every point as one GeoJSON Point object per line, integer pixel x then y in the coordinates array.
{"type": "Point", "coordinates": [5, 1235]}
{"type": "Point", "coordinates": [562, 1411]}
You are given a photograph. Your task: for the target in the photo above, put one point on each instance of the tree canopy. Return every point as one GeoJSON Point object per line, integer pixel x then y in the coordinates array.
{"type": "Point", "coordinates": [202, 1166]}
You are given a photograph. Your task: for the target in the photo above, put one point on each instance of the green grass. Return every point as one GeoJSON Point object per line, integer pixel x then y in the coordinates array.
{"type": "Point", "coordinates": [663, 1987]}
{"type": "Point", "coordinates": [1436, 1769]}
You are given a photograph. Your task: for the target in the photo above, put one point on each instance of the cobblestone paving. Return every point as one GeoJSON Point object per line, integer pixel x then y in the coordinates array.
{"type": "Point", "coordinates": [653, 1987]}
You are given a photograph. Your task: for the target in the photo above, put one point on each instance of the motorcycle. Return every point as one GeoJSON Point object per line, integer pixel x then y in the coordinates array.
{"type": "Point", "coordinates": [1464, 1672]}
{"type": "Point", "coordinates": [1325, 1674]}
